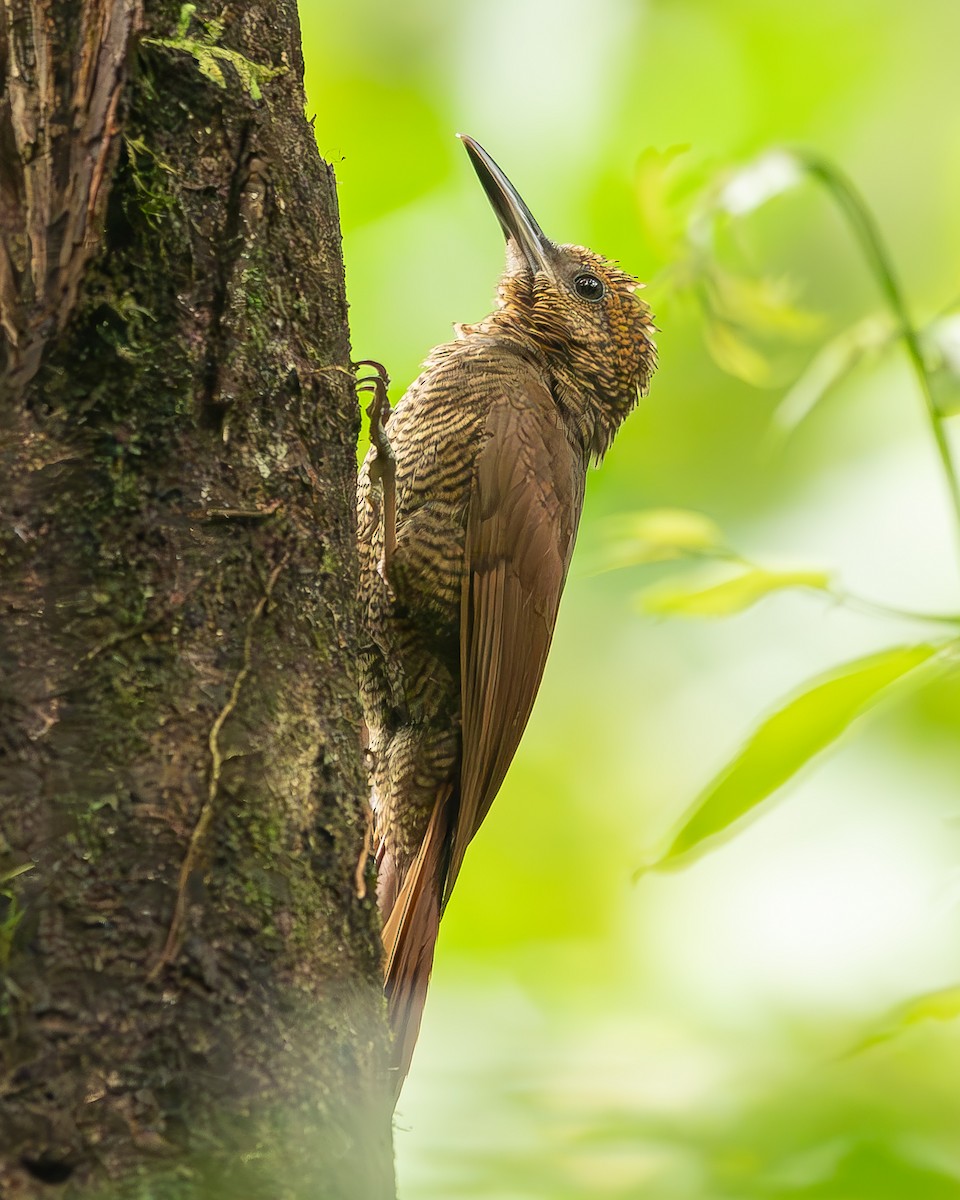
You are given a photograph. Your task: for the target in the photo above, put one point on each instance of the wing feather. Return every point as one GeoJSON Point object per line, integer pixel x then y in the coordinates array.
{"type": "Point", "coordinates": [521, 523]}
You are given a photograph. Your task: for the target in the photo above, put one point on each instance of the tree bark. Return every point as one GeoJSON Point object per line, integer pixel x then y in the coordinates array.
{"type": "Point", "coordinates": [190, 998]}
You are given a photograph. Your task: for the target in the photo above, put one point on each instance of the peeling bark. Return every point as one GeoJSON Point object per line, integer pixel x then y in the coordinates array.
{"type": "Point", "coordinates": [63, 68]}
{"type": "Point", "coordinates": [189, 972]}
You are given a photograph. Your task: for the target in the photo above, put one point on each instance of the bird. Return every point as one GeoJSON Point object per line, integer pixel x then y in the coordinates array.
{"type": "Point", "coordinates": [468, 503]}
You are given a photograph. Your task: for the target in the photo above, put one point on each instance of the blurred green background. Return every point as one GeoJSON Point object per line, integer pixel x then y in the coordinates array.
{"type": "Point", "coordinates": [739, 1027]}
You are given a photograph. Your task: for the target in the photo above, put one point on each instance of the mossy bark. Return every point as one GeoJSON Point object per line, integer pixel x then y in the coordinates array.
{"type": "Point", "coordinates": [189, 958]}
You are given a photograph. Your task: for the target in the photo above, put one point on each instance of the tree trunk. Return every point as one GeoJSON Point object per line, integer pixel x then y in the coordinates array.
{"type": "Point", "coordinates": [190, 994]}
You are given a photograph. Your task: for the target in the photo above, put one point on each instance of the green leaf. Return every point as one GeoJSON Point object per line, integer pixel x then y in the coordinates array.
{"type": "Point", "coordinates": [787, 741]}
{"type": "Point", "coordinates": [829, 367]}
{"type": "Point", "coordinates": [941, 1005]}
{"type": "Point", "coordinates": [658, 535]}
{"type": "Point", "coordinates": [941, 348]}
{"type": "Point", "coordinates": [763, 305]}
{"type": "Point", "coordinates": [733, 354]}
{"type": "Point", "coordinates": [946, 392]}
{"type": "Point", "coordinates": [663, 197]}
{"type": "Point", "coordinates": [681, 598]}
{"type": "Point", "coordinates": [16, 872]}
{"type": "Point", "coordinates": [941, 343]}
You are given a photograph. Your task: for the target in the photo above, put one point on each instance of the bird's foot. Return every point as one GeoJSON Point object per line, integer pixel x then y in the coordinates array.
{"type": "Point", "coordinates": [384, 465]}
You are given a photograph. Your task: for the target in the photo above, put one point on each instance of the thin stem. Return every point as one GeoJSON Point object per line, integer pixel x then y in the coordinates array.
{"type": "Point", "coordinates": [877, 609]}
{"type": "Point", "coordinates": [847, 599]}
{"type": "Point", "coordinates": [864, 226]}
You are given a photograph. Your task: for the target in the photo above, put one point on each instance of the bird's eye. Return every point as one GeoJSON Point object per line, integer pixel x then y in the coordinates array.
{"type": "Point", "coordinates": [588, 287]}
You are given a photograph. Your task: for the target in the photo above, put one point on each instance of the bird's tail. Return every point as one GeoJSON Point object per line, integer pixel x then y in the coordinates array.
{"type": "Point", "coordinates": [409, 936]}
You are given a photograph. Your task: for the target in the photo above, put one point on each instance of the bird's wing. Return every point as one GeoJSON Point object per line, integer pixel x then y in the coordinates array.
{"type": "Point", "coordinates": [521, 523]}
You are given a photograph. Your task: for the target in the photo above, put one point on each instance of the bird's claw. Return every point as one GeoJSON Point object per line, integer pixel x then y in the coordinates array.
{"type": "Point", "coordinates": [383, 468]}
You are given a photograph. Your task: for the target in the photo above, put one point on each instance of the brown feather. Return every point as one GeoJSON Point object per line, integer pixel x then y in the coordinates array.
{"type": "Point", "coordinates": [491, 445]}
{"type": "Point", "coordinates": [409, 936]}
{"type": "Point", "coordinates": [521, 523]}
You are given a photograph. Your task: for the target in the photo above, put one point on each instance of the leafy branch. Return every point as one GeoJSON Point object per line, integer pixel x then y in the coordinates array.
{"type": "Point", "coordinates": [738, 312]}
{"type": "Point", "coordinates": [722, 581]}
{"type": "Point", "coordinates": [685, 213]}
{"type": "Point", "coordinates": [789, 739]}
{"type": "Point", "coordinates": [864, 226]}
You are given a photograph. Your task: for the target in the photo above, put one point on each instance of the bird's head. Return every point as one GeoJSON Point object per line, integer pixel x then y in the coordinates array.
{"type": "Point", "coordinates": [577, 309]}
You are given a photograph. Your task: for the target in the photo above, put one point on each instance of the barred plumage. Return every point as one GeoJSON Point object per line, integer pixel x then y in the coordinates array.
{"type": "Point", "coordinates": [491, 444]}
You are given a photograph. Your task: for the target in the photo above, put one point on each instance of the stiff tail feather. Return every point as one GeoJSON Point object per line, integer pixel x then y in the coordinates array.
{"type": "Point", "coordinates": [409, 936]}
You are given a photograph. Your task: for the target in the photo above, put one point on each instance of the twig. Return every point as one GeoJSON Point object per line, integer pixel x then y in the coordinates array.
{"type": "Point", "coordinates": [864, 226]}
{"type": "Point", "coordinates": [238, 514]}
{"type": "Point", "coordinates": [169, 951]}
{"type": "Point", "coordinates": [360, 875]}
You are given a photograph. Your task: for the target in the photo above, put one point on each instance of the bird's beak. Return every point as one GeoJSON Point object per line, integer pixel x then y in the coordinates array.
{"type": "Point", "coordinates": [515, 218]}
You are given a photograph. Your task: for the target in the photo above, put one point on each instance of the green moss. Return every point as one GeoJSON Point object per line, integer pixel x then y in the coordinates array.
{"type": "Point", "coordinates": [153, 182]}
{"type": "Point", "coordinates": [95, 827]}
{"type": "Point", "coordinates": [209, 55]}
{"type": "Point", "coordinates": [251, 284]}
{"type": "Point", "coordinates": [11, 912]}
{"type": "Point", "coordinates": [187, 320]}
